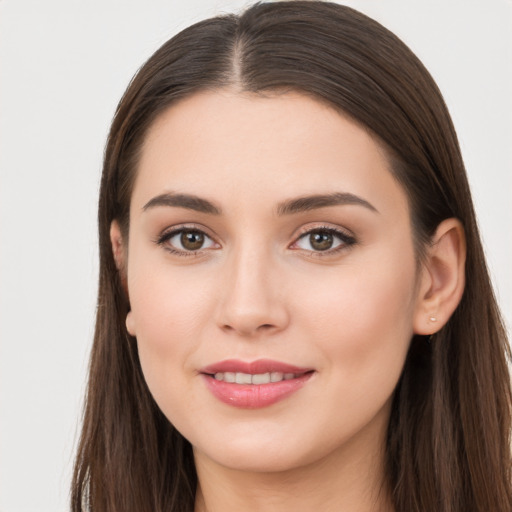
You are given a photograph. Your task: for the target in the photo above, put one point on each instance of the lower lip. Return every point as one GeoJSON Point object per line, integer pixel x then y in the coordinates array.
{"type": "Point", "coordinates": [254, 396]}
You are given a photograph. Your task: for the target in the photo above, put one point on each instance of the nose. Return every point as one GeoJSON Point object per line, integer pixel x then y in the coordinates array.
{"type": "Point", "coordinates": [252, 299]}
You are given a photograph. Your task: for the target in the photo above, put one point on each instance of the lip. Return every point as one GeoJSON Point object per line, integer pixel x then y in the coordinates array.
{"type": "Point", "coordinates": [254, 396]}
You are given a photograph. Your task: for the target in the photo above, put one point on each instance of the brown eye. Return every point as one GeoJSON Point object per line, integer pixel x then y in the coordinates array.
{"type": "Point", "coordinates": [321, 240]}
{"type": "Point", "coordinates": [192, 240]}
{"type": "Point", "coordinates": [186, 241]}
{"type": "Point", "coordinates": [326, 240]}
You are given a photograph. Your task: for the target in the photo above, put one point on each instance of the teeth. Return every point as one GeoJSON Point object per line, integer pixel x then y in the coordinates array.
{"type": "Point", "coordinates": [229, 377]}
{"type": "Point", "coordinates": [259, 378]}
{"type": "Point", "coordinates": [243, 378]}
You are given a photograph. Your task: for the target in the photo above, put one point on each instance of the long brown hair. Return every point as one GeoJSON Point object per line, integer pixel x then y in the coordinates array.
{"type": "Point", "coordinates": [448, 444]}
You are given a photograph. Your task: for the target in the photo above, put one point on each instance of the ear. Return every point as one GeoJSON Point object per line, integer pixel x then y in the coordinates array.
{"type": "Point", "coordinates": [119, 253]}
{"type": "Point", "coordinates": [442, 278]}
{"type": "Point", "coordinates": [130, 324]}
{"type": "Point", "coordinates": [118, 250]}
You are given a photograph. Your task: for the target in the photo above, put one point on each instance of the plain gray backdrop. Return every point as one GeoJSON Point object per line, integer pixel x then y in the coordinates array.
{"type": "Point", "coordinates": [64, 65]}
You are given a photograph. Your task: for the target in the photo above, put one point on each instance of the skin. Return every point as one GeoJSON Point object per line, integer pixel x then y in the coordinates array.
{"type": "Point", "coordinates": [258, 288]}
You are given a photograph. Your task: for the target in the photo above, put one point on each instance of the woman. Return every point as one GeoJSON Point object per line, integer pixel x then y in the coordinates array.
{"type": "Point", "coordinates": [294, 309]}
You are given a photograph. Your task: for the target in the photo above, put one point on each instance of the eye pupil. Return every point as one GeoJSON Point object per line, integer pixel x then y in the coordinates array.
{"type": "Point", "coordinates": [192, 240]}
{"type": "Point", "coordinates": [321, 240]}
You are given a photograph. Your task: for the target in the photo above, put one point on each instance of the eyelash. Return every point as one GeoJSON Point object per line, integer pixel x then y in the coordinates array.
{"type": "Point", "coordinates": [347, 240]}
{"type": "Point", "coordinates": [167, 235]}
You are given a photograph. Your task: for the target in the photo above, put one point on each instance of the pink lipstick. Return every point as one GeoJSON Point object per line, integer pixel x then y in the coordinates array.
{"type": "Point", "coordinates": [256, 384]}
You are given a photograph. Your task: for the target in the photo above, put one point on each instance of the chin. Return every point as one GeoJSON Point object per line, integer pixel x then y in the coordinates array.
{"type": "Point", "coordinates": [264, 450]}
{"type": "Point", "coordinates": [255, 458]}
{"type": "Point", "coordinates": [270, 445]}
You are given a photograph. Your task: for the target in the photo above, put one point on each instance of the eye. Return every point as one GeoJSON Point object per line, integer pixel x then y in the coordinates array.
{"type": "Point", "coordinates": [326, 240]}
{"type": "Point", "coordinates": [183, 240]}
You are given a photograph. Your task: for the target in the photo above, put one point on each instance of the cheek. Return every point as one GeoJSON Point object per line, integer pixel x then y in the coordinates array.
{"type": "Point", "coordinates": [167, 303]}
{"type": "Point", "coordinates": [168, 308]}
{"type": "Point", "coordinates": [363, 322]}
{"type": "Point", "coordinates": [362, 326]}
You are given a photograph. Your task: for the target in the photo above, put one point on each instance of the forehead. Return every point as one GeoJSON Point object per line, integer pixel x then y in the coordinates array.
{"type": "Point", "coordinates": [246, 147]}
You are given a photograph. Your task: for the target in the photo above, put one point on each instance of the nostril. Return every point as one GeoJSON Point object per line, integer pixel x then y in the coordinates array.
{"type": "Point", "coordinates": [247, 330]}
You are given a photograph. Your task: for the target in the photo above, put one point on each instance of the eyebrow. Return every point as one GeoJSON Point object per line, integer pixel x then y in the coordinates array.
{"type": "Point", "coordinates": [303, 204]}
{"type": "Point", "coordinates": [297, 205]}
{"type": "Point", "coordinates": [188, 201]}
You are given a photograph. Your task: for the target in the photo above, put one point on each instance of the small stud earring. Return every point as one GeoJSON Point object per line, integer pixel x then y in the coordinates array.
{"type": "Point", "coordinates": [433, 319]}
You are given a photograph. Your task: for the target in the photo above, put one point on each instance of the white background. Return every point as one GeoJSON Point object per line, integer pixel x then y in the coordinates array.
{"type": "Point", "coordinates": [64, 65]}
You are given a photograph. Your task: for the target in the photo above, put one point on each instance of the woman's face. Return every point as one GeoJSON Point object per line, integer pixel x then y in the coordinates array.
{"type": "Point", "coordinates": [269, 244]}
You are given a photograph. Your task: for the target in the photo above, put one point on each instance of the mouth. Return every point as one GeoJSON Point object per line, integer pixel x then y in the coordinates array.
{"type": "Point", "coordinates": [256, 380]}
{"type": "Point", "coordinates": [254, 385]}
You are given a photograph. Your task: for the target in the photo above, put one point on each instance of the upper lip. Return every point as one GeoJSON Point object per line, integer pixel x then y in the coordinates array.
{"type": "Point", "coordinates": [254, 367]}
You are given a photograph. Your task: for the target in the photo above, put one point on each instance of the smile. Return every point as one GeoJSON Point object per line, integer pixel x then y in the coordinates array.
{"type": "Point", "coordinates": [259, 378]}
{"type": "Point", "coordinates": [254, 385]}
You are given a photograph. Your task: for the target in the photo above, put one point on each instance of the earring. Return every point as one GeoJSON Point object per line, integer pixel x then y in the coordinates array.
{"type": "Point", "coordinates": [432, 319]}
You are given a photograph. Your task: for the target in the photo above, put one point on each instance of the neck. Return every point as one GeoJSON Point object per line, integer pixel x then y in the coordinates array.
{"type": "Point", "coordinates": [350, 479]}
